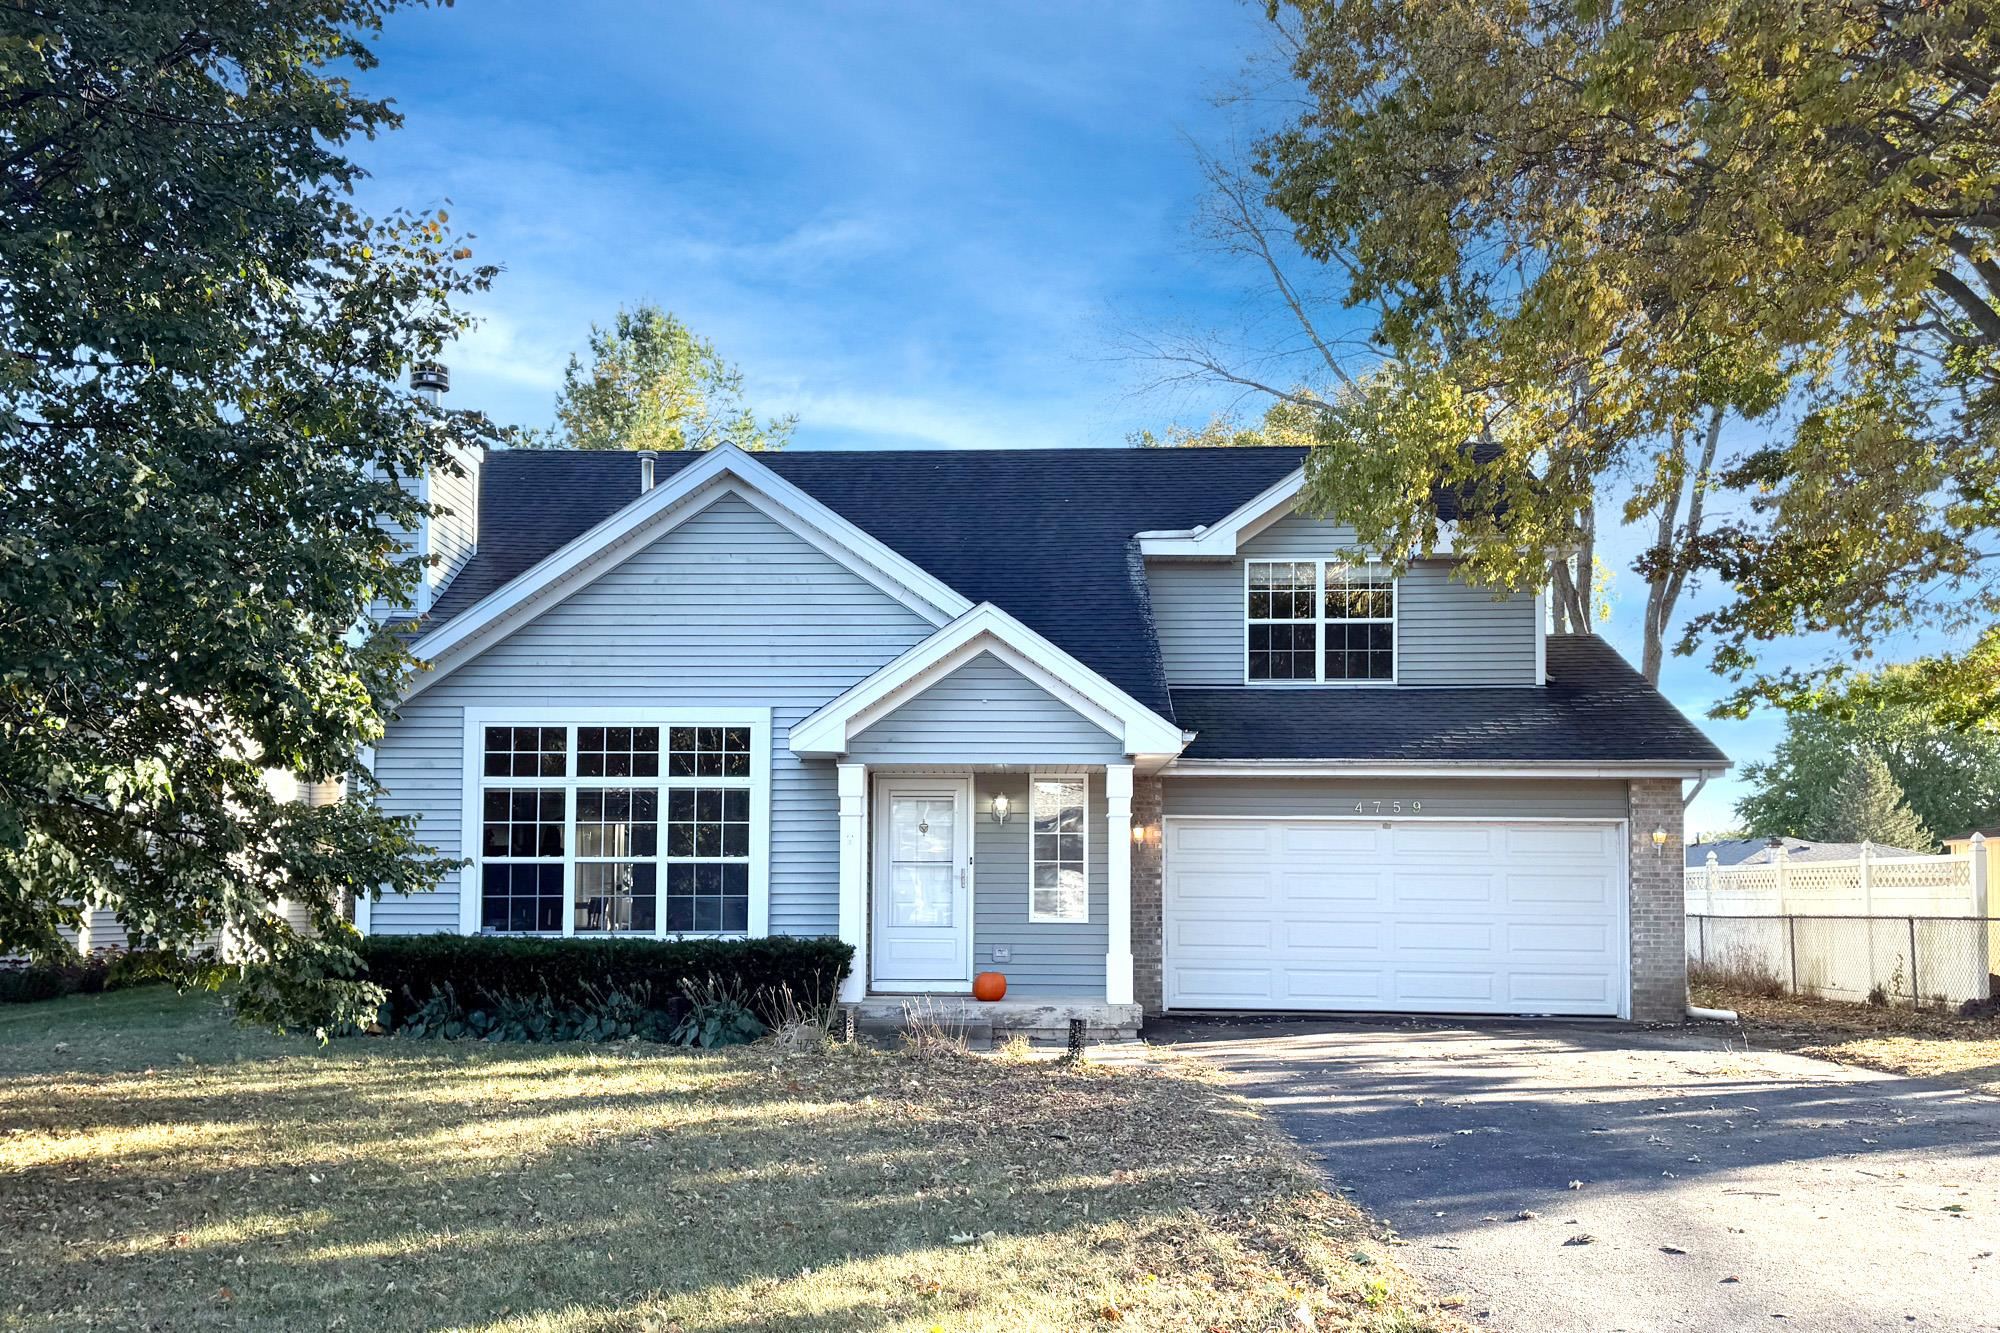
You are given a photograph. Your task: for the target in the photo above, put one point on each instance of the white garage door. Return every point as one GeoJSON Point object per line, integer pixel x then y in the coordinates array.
{"type": "Point", "coordinates": [1414, 916]}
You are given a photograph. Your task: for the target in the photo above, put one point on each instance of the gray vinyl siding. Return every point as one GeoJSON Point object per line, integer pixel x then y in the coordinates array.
{"type": "Point", "coordinates": [1451, 798]}
{"type": "Point", "coordinates": [1452, 634]}
{"type": "Point", "coordinates": [106, 930]}
{"type": "Point", "coordinates": [1448, 633]}
{"type": "Point", "coordinates": [454, 529]}
{"type": "Point", "coordinates": [382, 608]}
{"type": "Point", "coordinates": [728, 609]}
{"type": "Point", "coordinates": [1049, 958]}
{"type": "Point", "coordinates": [1198, 617]}
{"type": "Point", "coordinates": [1296, 537]}
{"type": "Point", "coordinates": [984, 712]}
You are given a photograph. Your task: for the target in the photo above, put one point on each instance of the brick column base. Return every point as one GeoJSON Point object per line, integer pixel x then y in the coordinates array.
{"type": "Point", "coordinates": [1658, 903]}
{"type": "Point", "coordinates": [1146, 890]}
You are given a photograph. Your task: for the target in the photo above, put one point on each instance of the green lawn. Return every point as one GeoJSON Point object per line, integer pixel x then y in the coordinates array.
{"type": "Point", "coordinates": [161, 1169]}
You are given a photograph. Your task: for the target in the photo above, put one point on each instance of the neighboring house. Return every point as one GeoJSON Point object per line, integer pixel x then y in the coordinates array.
{"type": "Point", "coordinates": [1113, 722]}
{"type": "Point", "coordinates": [1763, 851]}
{"type": "Point", "coordinates": [103, 930]}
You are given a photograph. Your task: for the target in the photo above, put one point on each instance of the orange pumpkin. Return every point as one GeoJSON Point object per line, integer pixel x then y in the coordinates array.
{"type": "Point", "coordinates": [989, 986]}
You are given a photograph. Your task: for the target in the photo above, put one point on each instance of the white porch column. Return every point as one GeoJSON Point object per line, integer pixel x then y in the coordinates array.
{"type": "Point", "coordinates": [1118, 867]}
{"type": "Point", "coordinates": [854, 876]}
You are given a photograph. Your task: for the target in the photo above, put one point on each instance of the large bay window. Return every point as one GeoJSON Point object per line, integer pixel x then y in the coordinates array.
{"type": "Point", "coordinates": [1319, 622]}
{"type": "Point", "coordinates": [570, 806]}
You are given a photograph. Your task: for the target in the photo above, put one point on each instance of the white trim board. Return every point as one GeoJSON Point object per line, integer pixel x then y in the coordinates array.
{"type": "Point", "coordinates": [1378, 768]}
{"type": "Point", "coordinates": [724, 470]}
{"type": "Point", "coordinates": [987, 629]}
{"type": "Point", "coordinates": [1225, 536]}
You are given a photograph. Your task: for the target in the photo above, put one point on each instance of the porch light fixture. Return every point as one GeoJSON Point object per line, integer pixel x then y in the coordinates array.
{"type": "Point", "coordinates": [1002, 807]}
{"type": "Point", "coordinates": [1659, 841]}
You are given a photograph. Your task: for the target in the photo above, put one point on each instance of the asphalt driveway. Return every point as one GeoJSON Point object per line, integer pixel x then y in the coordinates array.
{"type": "Point", "coordinates": [1564, 1177]}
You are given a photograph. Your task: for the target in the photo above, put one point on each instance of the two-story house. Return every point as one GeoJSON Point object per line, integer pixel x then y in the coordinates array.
{"type": "Point", "coordinates": [1116, 723]}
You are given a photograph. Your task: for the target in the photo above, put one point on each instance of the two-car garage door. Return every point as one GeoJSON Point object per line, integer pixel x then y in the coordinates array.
{"type": "Point", "coordinates": [1428, 916]}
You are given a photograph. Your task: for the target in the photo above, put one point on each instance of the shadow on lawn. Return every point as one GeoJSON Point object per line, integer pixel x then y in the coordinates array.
{"type": "Point", "coordinates": [420, 1185]}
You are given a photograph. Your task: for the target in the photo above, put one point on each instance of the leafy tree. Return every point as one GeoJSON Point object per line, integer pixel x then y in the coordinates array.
{"type": "Point", "coordinates": [203, 428]}
{"type": "Point", "coordinates": [1587, 229]}
{"type": "Point", "coordinates": [1306, 331]}
{"type": "Point", "coordinates": [1950, 778]}
{"type": "Point", "coordinates": [653, 383]}
{"type": "Point", "coordinates": [1284, 423]}
{"type": "Point", "coordinates": [1866, 805]}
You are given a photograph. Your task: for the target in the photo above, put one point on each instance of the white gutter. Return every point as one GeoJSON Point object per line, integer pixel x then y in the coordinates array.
{"type": "Point", "coordinates": [1308, 768]}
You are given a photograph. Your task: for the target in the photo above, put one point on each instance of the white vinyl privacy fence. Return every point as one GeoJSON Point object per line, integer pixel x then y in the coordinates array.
{"type": "Point", "coordinates": [1910, 928]}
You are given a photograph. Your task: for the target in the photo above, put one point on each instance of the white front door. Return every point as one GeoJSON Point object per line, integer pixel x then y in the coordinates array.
{"type": "Point", "coordinates": [923, 891]}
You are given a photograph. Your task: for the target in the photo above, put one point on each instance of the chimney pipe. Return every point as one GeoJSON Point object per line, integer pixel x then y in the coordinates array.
{"type": "Point", "coordinates": [646, 457]}
{"type": "Point", "coordinates": [431, 381]}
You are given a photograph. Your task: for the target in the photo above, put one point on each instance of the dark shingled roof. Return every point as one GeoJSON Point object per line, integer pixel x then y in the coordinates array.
{"type": "Point", "coordinates": [1594, 708]}
{"type": "Point", "coordinates": [1040, 533]}
{"type": "Point", "coordinates": [1047, 535]}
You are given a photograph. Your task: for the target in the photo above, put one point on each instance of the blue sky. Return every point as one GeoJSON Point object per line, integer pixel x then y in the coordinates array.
{"type": "Point", "coordinates": [913, 225]}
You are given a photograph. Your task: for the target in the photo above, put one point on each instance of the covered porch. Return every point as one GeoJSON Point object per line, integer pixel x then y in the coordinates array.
{"type": "Point", "coordinates": [1025, 870]}
{"type": "Point", "coordinates": [985, 784]}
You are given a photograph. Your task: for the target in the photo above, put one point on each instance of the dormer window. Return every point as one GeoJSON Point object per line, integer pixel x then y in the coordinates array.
{"type": "Point", "coordinates": [1319, 622]}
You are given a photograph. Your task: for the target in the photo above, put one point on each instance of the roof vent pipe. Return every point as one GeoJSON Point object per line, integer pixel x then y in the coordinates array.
{"type": "Point", "coordinates": [430, 380]}
{"type": "Point", "coordinates": [646, 457]}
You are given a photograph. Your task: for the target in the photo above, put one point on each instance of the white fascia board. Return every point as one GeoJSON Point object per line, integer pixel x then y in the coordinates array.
{"type": "Point", "coordinates": [1226, 536]}
{"type": "Point", "coordinates": [987, 628]}
{"type": "Point", "coordinates": [1221, 537]}
{"type": "Point", "coordinates": [723, 470]}
{"type": "Point", "coordinates": [1385, 768]}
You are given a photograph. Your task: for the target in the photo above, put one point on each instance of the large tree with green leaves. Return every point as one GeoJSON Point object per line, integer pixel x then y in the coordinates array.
{"type": "Point", "coordinates": [205, 342]}
{"type": "Point", "coordinates": [654, 383]}
{"type": "Point", "coordinates": [1951, 778]}
{"type": "Point", "coordinates": [1587, 230]}
{"type": "Point", "coordinates": [1867, 805]}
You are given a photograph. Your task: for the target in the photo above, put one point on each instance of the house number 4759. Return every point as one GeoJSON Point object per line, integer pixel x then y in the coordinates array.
{"type": "Point", "coordinates": [1386, 807]}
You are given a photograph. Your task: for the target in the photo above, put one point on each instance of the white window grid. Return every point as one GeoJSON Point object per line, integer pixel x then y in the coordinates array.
{"type": "Point", "coordinates": [1080, 862]}
{"type": "Point", "coordinates": [569, 784]}
{"type": "Point", "coordinates": [1368, 571]}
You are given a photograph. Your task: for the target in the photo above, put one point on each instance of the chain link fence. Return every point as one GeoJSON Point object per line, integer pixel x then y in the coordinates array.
{"type": "Point", "coordinates": [1925, 961]}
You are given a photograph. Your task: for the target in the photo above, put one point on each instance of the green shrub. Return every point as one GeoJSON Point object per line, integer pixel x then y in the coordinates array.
{"type": "Point", "coordinates": [708, 1017]}
{"type": "Point", "coordinates": [110, 970]}
{"type": "Point", "coordinates": [505, 988]}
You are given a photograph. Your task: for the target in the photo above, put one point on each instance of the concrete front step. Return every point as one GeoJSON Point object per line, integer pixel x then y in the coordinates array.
{"type": "Point", "coordinates": [1045, 1020]}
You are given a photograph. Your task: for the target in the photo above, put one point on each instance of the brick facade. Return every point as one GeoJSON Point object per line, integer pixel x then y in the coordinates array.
{"type": "Point", "coordinates": [1147, 926]}
{"type": "Point", "coordinates": [1659, 904]}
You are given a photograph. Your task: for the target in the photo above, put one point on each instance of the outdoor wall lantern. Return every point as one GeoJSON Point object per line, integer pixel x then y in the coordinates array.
{"type": "Point", "coordinates": [1659, 841]}
{"type": "Point", "coordinates": [1002, 807]}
